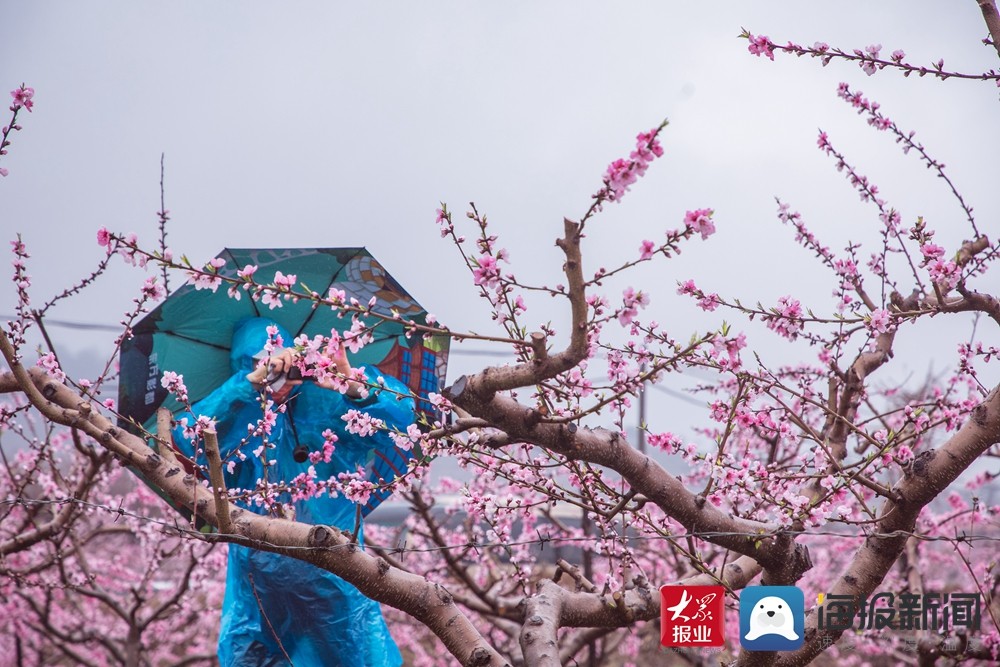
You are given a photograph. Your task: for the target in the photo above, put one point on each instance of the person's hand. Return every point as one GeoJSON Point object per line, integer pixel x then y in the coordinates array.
{"type": "Point", "coordinates": [338, 354]}
{"type": "Point", "coordinates": [279, 362]}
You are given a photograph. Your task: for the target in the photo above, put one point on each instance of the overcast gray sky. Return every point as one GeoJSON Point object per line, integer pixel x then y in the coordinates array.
{"type": "Point", "coordinates": [325, 124]}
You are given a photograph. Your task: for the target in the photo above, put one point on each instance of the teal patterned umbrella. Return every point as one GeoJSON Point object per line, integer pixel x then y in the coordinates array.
{"type": "Point", "coordinates": [189, 333]}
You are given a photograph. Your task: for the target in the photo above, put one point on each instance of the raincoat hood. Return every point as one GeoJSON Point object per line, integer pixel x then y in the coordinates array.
{"type": "Point", "coordinates": [249, 337]}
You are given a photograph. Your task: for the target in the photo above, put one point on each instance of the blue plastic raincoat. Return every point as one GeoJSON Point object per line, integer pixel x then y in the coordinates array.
{"type": "Point", "coordinates": [320, 618]}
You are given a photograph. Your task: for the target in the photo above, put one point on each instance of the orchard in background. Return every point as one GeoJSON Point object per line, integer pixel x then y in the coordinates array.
{"type": "Point", "coordinates": [815, 474]}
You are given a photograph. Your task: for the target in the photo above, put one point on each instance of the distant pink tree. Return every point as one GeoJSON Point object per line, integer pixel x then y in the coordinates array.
{"type": "Point", "coordinates": [812, 474]}
{"type": "Point", "coordinates": [90, 574]}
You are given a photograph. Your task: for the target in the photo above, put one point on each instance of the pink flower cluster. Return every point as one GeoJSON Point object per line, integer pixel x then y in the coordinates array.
{"type": "Point", "coordinates": [631, 302]}
{"type": "Point", "coordinates": [931, 251]}
{"type": "Point", "coordinates": [267, 421]}
{"type": "Point", "coordinates": [245, 274]}
{"type": "Point", "coordinates": [22, 280]}
{"type": "Point", "coordinates": [208, 278]}
{"type": "Point", "coordinates": [785, 318]}
{"type": "Point", "coordinates": [577, 382]}
{"type": "Point", "coordinates": [283, 284]}
{"type": "Point", "coordinates": [329, 438]}
{"type": "Point", "coordinates": [707, 302]}
{"type": "Point", "coordinates": [274, 339]}
{"type": "Point", "coordinates": [700, 220]}
{"type": "Point", "coordinates": [619, 177]}
{"type": "Point", "coordinates": [281, 281]}
{"type": "Point", "coordinates": [194, 431]}
{"type": "Point", "coordinates": [405, 441]}
{"type": "Point", "coordinates": [622, 173]}
{"type": "Point", "coordinates": [304, 484]}
{"type": "Point", "coordinates": [153, 290]}
{"type": "Point", "coordinates": [730, 347]}
{"type": "Point", "coordinates": [357, 337]}
{"type": "Point", "coordinates": [880, 321]}
{"type": "Point", "coordinates": [356, 488]}
{"type": "Point", "coordinates": [174, 383]}
{"type": "Point", "coordinates": [846, 268]}
{"type": "Point", "coordinates": [440, 403]}
{"type": "Point", "coordinates": [337, 297]}
{"type": "Point", "coordinates": [362, 424]}
{"type": "Point", "coordinates": [760, 45]}
{"type": "Point", "coordinates": [868, 58]}
{"type": "Point", "coordinates": [668, 442]}
{"type": "Point", "coordinates": [444, 221]}
{"type": "Point", "coordinates": [22, 98]}
{"type": "Point", "coordinates": [487, 272]}
{"type": "Point", "coordinates": [875, 118]}
{"type": "Point", "coordinates": [943, 271]}
{"type": "Point", "coordinates": [49, 364]}
{"type": "Point", "coordinates": [128, 247]}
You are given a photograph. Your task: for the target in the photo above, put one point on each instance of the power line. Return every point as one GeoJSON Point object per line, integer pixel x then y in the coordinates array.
{"type": "Point", "coordinates": [542, 541]}
{"type": "Point", "coordinates": [87, 326]}
{"type": "Point", "coordinates": [679, 395]}
{"type": "Point", "coordinates": [455, 350]}
{"type": "Point", "coordinates": [93, 326]}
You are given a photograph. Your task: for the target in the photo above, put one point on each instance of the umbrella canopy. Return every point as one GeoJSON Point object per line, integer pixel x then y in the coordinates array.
{"type": "Point", "coordinates": [190, 332]}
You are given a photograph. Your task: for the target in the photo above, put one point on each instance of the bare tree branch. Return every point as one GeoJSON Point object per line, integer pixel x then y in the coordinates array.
{"type": "Point", "coordinates": [217, 481]}
{"type": "Point", "coordinates": [63, 517]}
{"type": "Point", "coordinates": [324, 546]}
{"type": "Point", "coordinates": [607, 448]}
{"type": "Point", "coordinates": [930, 474]}
{"type": "Point", "coordinates": [992, 19]}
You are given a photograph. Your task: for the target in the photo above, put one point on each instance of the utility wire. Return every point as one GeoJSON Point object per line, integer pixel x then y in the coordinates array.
{"type": "Point", "coordinates": [456, 350]}
{"type": "Point", "coordinates": [541, 541]}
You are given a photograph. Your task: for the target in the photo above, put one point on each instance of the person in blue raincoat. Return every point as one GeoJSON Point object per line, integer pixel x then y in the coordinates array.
{"type": "Point", "coordinates": [318, 617]}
